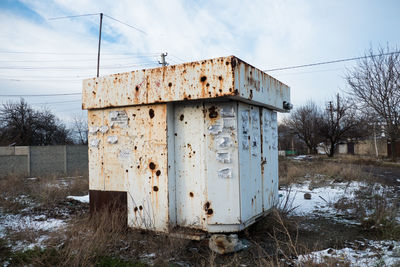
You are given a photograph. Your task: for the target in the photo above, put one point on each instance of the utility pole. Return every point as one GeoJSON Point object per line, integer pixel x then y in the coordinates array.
{"type": "Point", "coordinates": [101, 24]}
{"type": "Point", "coordinates": [163, 62]}
{"type": "Point", "coordinates": [98, 51]}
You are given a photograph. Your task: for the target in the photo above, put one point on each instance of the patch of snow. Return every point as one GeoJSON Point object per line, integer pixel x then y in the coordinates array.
{"type": "Point", "coordinates": [377, 253]}
{"type": "Point", "coordinates": [302, 157]}
{"type": "Point", "coordinates": [83, 199]}
{"type": "Point", "coordinates": [322, 198]}
{"type": "Point", "coordinates": [16, 222]}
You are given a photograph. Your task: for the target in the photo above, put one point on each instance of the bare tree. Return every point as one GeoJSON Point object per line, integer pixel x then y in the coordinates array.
{"type": "Point", "coordinates": [21, 125]}
{"type": "Point", "coordinates": [287, 140]}
{"type": "Point", "coordinates": [80, 127]}
{"type": "Point", "coordinates": [341, 121]}
{"type": "Point", "coordinates": [304, 122]}
{"type": "Point", "coordinates": [375, 84]}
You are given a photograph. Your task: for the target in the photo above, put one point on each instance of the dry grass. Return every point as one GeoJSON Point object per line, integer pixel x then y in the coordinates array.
{"type": "Point", "coordinates": [376, 207]}
{"type": "Point", "coordinates": [20, 192]}
{"type": "Point", "coordinates": [320, 171]}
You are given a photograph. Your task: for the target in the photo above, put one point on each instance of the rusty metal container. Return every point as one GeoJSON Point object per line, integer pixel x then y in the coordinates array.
{"type": "Point", "coordinates": [192, 145]}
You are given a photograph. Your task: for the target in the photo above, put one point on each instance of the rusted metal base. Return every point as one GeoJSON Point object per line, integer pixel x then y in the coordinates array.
{"type": "Point", "coordinates": [187, 233]}
{"type": "Point", "coordinates": [112, 200]}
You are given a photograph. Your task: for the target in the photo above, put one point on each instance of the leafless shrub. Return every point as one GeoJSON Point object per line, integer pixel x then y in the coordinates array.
{"type": "Point", "coordinates": [376, 207]}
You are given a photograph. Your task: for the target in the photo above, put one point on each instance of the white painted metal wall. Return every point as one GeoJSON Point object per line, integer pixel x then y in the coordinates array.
{"type": "Point", "coordinates": [192, 145]}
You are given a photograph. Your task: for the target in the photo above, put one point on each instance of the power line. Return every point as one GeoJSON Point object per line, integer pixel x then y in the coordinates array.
{"type": "Point", "coordinates": [74, 16]}
{"type": "Point", "coordinates": [330, 62]}
{"type": "Point", "coordinates": [75, 67]}
{"type": "Point", "coordinates": [177, 58]}
{"type": "Point", "coordinates": [74, 60]}
{"type": "Point", "coordinates": [65, 94]}
{"type": "Point", "coordinates": [77, 53]}
{"type": "Point", "coordinates": [58, 102]}
{"type": "Point", "coordinates": [125, 24]}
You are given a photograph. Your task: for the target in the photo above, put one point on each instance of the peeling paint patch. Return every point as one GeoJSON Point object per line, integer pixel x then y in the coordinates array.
{"type": "Point", "coordinates": [94, 142]}
{"type": "Point", "coordinates": [245, 129]}
{"type": "Point", "coordinates": [112, 139]}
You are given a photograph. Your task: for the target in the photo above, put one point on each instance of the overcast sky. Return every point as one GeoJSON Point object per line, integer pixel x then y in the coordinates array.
{"type": "Point", "coordinates": [42, 56]}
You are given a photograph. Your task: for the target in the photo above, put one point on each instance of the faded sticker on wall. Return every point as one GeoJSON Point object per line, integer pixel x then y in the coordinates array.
{"type": "Point", "coordinates": [245, 129]}
{"type": "Point", "coordinates": [215, 129]}
{"type": "Point", "coordinates": [118, 117]}
{"type": "Point", "coordinates": [225, 173]}
{"type": "Point", "coordinates": [103, 129]}
{"type": "Point", "coordinates": [124, 153]}
{"type": "Point", "coordinates": [227, 112]}
{"type": "Point", "coordinates": [93, 130]}
{"type": "Point", "coordinates": [223, 142]}
{"type": "Point", "coordinates": [224, 157]}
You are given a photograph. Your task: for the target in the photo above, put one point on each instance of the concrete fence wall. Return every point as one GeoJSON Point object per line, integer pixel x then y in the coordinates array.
{"type": "Point", "coordinates": [43, 160]}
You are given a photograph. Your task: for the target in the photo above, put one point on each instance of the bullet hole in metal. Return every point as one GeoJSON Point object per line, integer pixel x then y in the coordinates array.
{"type": "Point", "coordinates": [176, 134]}
{"type": "Point", "coordinates": [135, 209]}
{"type": "Point", "coordinates": [126, 170]}
{"type": "Point", "coordinates": [137, 88]}
{"type": "Point", "coordinates": [155, 188]}
{"type": "Point", "coordinates": [140, 207]}
{"type": "Point", "coordinates": [220, 78]}
{"type": "Point", "coordinates": [191, 194]}
{"type": "Point", "coordinates": [212, 113]}
{"type": "Point", "coordinates": [152, 166]}
{"type": "Point", "coordinates": [151, 113]}
{"type": "Point", "coordinates": [203, 78]}
{"type": "Point", "coordinates": [138, 166]}
{"type": "Point", "coordinates": [181, 117]}
{"type": "Point", "coordinates": [135, 147]}
{"type": "Point", "coordinates": [158, 172]}
{"type": "Point", "coordinates": [210, 211]}
{"type": "Point", "coordinates": [169, 84]}
{"type": "Point", "coordinates": [251, 94]}
{"type": "Point", "coordinates": [207, 84]}
{"type": "Point", "coordinates": [207, 206]}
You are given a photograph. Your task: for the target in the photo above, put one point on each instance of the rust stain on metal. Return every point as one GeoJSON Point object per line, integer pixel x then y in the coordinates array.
{"type": "Point", "coordinates": [196, 80]}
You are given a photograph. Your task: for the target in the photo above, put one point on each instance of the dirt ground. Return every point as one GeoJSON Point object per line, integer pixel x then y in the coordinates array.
{"type": "Point", "coordinates": [353, 210]}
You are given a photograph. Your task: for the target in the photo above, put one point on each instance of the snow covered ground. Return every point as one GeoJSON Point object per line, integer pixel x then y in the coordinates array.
{"type": "Point", "coordinates": [371, 253]}
{"type": "Point", "coordinates": [376, 253]}
{"type": "Point", "coordinates": [83, 199]}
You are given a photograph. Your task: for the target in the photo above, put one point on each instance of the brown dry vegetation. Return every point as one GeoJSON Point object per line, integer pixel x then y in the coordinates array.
{"type": "Point", "coordinates": [45, 192]}
{"type": "Point", "coordinates": [320, 170]}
